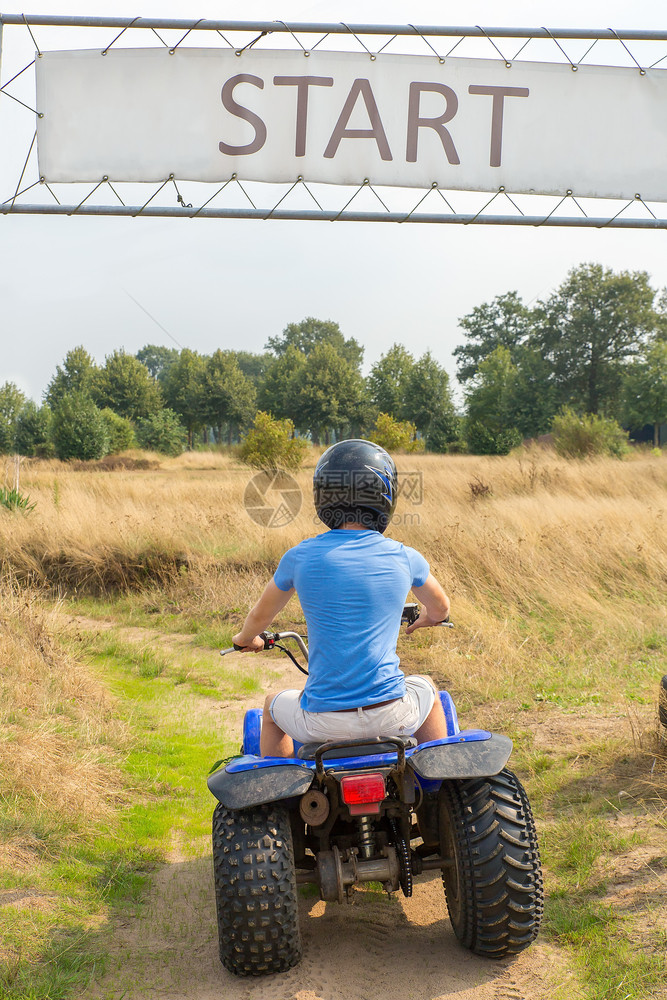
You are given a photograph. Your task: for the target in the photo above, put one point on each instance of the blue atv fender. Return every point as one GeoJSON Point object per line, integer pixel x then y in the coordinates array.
{"type": "Point", "coordinates": [252, 780]}
{"type": "Point", "coordinates": [255, 784]}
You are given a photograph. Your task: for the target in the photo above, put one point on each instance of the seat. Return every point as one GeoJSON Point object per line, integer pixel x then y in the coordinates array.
{"type": "Point", "coordinates": [308, 750]}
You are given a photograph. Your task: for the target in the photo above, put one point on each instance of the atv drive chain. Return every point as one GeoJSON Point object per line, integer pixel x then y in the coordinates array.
{"type": "Point", "coordinates": [404, 865]}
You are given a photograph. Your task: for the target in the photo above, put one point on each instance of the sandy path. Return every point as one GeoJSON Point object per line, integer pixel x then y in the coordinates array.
{"type": "Point", "coordinates": [401, 949]}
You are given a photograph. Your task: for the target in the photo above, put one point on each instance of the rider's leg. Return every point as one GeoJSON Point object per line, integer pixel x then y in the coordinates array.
{"type": "Point", "coordinates": [274, 742]}
{"type": "Point", "coordinates": [434, 726]}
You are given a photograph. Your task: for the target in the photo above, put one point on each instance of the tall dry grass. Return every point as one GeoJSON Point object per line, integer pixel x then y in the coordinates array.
{"type": "Point", "coordinates": [542, 556]}
{"type": "Point", "coordinates": [548, 530]}
{"type": "Point", "coordinates": [57, 770]}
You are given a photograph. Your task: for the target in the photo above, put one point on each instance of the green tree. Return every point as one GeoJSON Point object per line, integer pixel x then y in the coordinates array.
{"type": "Point", "coordinates": [362, 416]}
{"type": "Point", "coordinates": [533, 403]}
{"type": "Point", "coordinates": [389, 379]}
{"type": "Point", "coordinates": [645, 389]}
{"type": "Point", "coordinates": [587, 331]}
{"type": "Point", "coordinates": [126, 386]}
{"type": "Point", "coordinates": [184, 391]}
{"type": "Point", "coordinates": [163, 432]}
{"type": "Point", "coordinates": [33, 426]}
{"type": "Point", "coordinates": [428, 403]}
{"type": "Point", "coordinates": [12, 401]}
{"type": "Point", "coordinates": [278, 390]}
{"type": "Point", "coordinates": [395, 435]}
{"type": "Point", "coordinates": [120, 431]}
{"type": "Point", "coordinates": [311, 333]}
{"type": "Point", "coordinates": [229, 397]}
{"type": "Point", "coordinates": [157, 359]}
{"type": "Point", "coordinates": [444, 432]}
{"type": "Point", "coordinates": [577, 436]}
{"type": "Point", "coordinates": [270, 444]}
{"type": "Point", "coordinates": [77, 374]}
{"type": "Point", "coordinates": [328, 392]}
{"type": "Point", "coordinates": [253, 366]}
{"type": "Point", "coordinates": [504, 322]}
{"type": "Point", "coordinates": [78, 428]}
{"type": "Point", "coordinates": [489, 426]}
{"type": "Point", "coordinates": [661, 312]}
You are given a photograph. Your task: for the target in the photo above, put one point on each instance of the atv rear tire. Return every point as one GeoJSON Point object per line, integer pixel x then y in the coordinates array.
{"type": "Point", "coordinates": [494, 890]}
{"type": "Point", "coordinates": [255, 890]}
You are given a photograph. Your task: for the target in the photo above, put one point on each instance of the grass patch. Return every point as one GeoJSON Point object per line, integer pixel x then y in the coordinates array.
{"type": "Point", "coordinates": [574, 847]}
{"type": "Point", "coordinates": [134, 764]}
{"type": "Point", "coordinates": [173, 747]}
{"type": "Point", "coordinates": [14, 500]}
{"type": "Point", "coordinates": [606, 948]}
{"type": "Point", "coordinates": [153, 611]}
{"type": "Point", "coordinates": [584, 837]}
{"type": "Point", "coordinates": [309, 890]}
{"type": "Point", "coordinates": [207, 676]}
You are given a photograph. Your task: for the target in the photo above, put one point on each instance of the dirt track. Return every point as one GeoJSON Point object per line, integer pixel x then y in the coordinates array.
{"type": "Point", "coordinates": [403, 949]}
{"type": "Point", "coordinates": [375, 948]}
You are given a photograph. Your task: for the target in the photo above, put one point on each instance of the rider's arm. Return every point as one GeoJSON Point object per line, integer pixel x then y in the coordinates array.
{"type": "Point", "coordinates": [434, 601]}
{"type": "Point", "coordinates": [270, 603]}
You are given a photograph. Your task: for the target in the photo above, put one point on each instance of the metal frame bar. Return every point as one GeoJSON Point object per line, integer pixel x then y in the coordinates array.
{"type": "Point", "coordinates": [580, 222]}
{"type": "Point", "coordinates": [336, 28]}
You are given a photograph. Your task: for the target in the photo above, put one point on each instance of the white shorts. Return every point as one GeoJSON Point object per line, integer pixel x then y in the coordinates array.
{"type": "Point", "coordinates": [402, 717]}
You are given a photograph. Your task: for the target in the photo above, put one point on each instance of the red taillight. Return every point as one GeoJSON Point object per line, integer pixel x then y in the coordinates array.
{"type": "Point", "coordinates": [363, 793]}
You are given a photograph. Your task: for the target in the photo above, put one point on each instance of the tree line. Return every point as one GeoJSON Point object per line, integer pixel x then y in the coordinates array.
{"type": "Point", "coordinates": [166, 400]}
{"type": "Point", "coordinates": [596, 346]}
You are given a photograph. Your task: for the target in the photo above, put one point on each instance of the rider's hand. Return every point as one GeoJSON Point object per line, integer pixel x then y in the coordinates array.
{"type": "Point", "coordinates": [435, 604]}
{"type": "Point", "coordinates": [253, 646]}
{"type": "Point", "coordinates": [424, 621]}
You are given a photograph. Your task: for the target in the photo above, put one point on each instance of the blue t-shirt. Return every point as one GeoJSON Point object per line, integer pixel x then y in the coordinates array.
{"type": "Point", "coordinates": [352, 585]}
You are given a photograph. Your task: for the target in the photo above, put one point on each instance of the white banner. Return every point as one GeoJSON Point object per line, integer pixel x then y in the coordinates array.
{"type": "Point", "coordinates": [408, 121]}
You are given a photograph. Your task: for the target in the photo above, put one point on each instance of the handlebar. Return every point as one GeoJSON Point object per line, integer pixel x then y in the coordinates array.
{"type": "Point", "coordinates": [271, 639]}
{"type": "Point", "coordinates": [411, 613]}
{"type": "Point", "coordinates": [409, 616]}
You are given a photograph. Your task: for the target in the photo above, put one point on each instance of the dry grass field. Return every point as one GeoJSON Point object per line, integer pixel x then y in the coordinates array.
{"type": "Point", "coordinates": [522, 530]}
{"type": "Point", "coordinates": [539, 555]}
{"type": "Point", "coordinates": [121, 583]}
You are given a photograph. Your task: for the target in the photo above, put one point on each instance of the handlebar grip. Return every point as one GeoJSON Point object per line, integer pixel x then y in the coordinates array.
{"type": "Point", "coordinates": [410, 614]}
{"type": "Point", "coordinates": [269, 642]}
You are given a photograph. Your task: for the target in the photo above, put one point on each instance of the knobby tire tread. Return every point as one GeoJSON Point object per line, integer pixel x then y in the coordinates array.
{"type": "Point", "coordinates": [255, 890]}
{"type": "Point", "coordinates": [495, 894]}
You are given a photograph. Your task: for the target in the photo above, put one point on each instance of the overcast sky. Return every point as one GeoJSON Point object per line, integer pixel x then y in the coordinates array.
{"type": "Point", "coordinates": [232, 284]}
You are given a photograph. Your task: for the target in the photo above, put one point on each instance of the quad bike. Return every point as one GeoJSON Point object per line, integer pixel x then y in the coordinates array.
{"type": "Point", "coordinates": [385, 810]}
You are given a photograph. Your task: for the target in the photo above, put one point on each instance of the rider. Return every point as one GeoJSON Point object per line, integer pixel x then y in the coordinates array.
{"type": "Point", "coordinates": [352, 584]}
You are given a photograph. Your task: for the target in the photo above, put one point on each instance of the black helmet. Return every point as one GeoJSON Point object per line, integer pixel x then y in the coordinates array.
{"type": "Point", "coordinates": [355, 481]}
